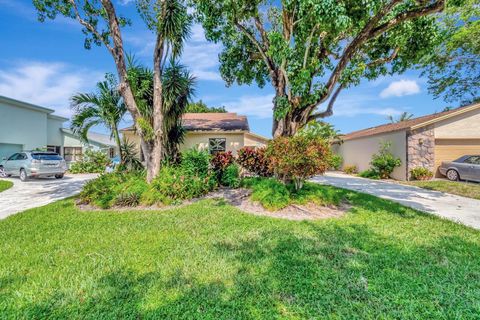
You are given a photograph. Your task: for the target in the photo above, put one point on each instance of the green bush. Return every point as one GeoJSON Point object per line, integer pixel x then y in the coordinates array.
{"type": "Point", "coordinates": [370, 174]}
{"type": "Point", "coordinates": [195, 162]}
{"type": "Point", "coordinates": [384, 162]}
{"type": "Point", "coordinates": [127, 199]}
{"type": "Point", "coordinates": [350, 169]}
{"type": "Point", "coordinates": [92, 162]}
{"type": "Point", "coordinates": [421, 173]}
{"type": "Point", "coordinates": [336, 161]}
{"type": "Point", "coordinates": [255, 161]}
{"type": "Point", "coordinates": [231, 176]}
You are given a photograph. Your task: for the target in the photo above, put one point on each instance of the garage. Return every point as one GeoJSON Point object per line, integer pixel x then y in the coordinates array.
{"type": "Point", "coordinates": [451, 149]}
{"type": "Point", "coordinates": [7, 149]}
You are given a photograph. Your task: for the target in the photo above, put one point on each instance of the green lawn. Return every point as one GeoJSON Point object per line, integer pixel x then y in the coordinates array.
{"type": "Point", "coordinates": [211, 261]}
{"type": "Point", "coordinates": [465, 189]}
{"type": "Point", "coordinates": [4, 185]}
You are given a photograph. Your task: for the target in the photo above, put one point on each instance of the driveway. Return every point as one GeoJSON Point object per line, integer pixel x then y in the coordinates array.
{"type": "Point", "coordinates": [39, 192]}
{"type": "Point", "coordinates": [452, 207]}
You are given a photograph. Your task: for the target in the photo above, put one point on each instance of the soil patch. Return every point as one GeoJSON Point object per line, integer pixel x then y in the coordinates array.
{"type": "Point", "coordinates": [240, 198]}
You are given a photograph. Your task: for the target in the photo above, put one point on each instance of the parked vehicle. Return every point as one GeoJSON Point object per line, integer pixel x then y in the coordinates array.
{"type": "Point", "coordinates": [33, 164]}
{"type": "Point", "coordinates": [464, 168]}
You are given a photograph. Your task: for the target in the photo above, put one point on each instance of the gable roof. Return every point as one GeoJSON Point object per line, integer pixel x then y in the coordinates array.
{"type": "Point", "coordinates": [411, 124]}
{"type": "Point", "coordinates": [228, 121]}
{"type": "Point", "coordinates": [94, 137]}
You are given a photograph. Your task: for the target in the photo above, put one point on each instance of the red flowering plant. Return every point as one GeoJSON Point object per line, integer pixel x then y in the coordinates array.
{"type": "Point", "coordinates": [220, 161]}
{"type": "Point", "coordinates": [298, 158]}
{"type": "Point", "coordinates": [254, 161]}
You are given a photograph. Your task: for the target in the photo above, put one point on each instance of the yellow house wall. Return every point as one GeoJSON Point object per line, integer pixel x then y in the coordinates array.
{"type": "Point", "coordinates": [466, 125]}
{"type": "Point", "coordinates": [359, 152]}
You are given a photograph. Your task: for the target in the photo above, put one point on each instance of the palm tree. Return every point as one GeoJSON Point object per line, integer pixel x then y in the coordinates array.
{"type": "Point", "coordinates": [178, 89]}
{"type": "Point", "coordinates": [404, 116]}
{"type": "Point", "coordinates": [104, 107]}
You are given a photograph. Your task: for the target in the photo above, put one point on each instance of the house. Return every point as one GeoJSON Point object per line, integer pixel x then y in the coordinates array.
{"type": "Point", "coordinates": [420, 142]}
{"type": "Point", "coordinates": [211, 131]}
{"type": "Point", "coordinates": [25, 126]}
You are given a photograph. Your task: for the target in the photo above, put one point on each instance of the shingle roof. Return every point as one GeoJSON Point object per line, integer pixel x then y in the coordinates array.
{"type": "Point", "coordinates": [408, 124]}
{"type": "Point", "coordinates": [99, 138]}
{"type": "Point", "coordinates": [212, 122]}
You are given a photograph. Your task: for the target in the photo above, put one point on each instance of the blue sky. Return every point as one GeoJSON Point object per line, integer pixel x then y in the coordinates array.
{"type": "Point", "coordinates": [45, 63]}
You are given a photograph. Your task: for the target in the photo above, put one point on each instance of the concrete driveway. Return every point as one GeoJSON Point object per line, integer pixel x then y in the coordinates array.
{"type": "Point", "coordinates": [39, 192]}
{"type": "Point", "coordinates": [452, 207]}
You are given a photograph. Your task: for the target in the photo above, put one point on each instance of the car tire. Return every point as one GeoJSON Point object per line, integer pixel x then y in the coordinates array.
{"type": "Point", "coordinates": [58, 176]}
{"type": "Point", "coordinates": [453, 175]}
{"type": "Point", "coordinates": [23, 175]}
{"type": "Point", "coordinates": [3, 174]}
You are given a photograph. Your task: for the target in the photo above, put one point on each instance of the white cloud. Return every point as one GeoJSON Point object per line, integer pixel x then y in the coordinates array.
{"type": "Point", "coordinates": [258, 106]}
{"type": "Point", "coordinates": [46, 84]}
{"type": "Point", "coordinates": [400, 88]}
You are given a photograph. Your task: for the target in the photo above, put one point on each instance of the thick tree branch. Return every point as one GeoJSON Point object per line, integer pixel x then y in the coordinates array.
{"type": "Point", "coordinates": [384, 60]}
{"type": "Point", "coordinates": [262, 31]}
{"type": "Point", "coordinates": [329, 111]}
{"type": "Point", "coordinates": [89, 27]}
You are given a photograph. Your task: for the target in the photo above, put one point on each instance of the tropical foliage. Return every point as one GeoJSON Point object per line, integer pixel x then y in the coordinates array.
{"type": "Point", "coordinates": [201, 107]}
{"type": "Point", "coordinates": [255, 161]}
{"type": "Point", "coordinates": [321, 130]}
{"type": "Point", "coordinates": [104, 107]}
{"type": "Point", "coordinates": [384, 162]}
{"type": "Point", "coordinates": [421, 173]}
{"type": "Point", "coordinates": [298, 158]}
{"type": "Point", "coordinates": [404, 116]}
{"type": "Point", "coordinates": [94, 161]}
{"type": "Point", "coordinates": [453, 69]}
{"type": "Point", "coordinates": [308, 51]}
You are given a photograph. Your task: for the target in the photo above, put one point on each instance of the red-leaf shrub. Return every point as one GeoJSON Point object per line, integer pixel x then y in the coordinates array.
{"type": "Point", "coordinates": [254, 161]}
{"type": "Point", "coordinates": [298, 158]}
{"type": "Point", "coordinates": [221, 160]}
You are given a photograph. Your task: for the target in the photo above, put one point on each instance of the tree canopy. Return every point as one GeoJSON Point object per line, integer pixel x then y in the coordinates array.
{"type": "Point", "coordinates": [309, 50]}
{"type": "Point", "coordinates": [201, 107]}
{"type": "Point", "coordinates": [454, 68]}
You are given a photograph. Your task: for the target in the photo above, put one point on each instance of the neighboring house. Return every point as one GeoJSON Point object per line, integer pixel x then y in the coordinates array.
{"type": "Point", "coordinates": [211, 131]}
{"type": "Point", "coordinates": [421, 142]}
{"type": "Point", "coordinates": [24, 126]}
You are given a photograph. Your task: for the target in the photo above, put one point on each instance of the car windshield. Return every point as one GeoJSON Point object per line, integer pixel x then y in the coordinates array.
{"type": "Point", "coordinates": [46, 156]}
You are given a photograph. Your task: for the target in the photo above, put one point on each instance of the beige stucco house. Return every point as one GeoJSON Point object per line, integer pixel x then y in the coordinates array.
{"type": "Point", "coordinates": [211, 131]}
{"type": "Point", "coordinates": [421, 142]}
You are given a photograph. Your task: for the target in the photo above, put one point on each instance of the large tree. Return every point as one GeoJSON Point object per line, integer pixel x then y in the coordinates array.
{"type": "Point", "coordinates": [309, 50]}
{"type": "Point", "coordinates": [454, 69]}
{"type": "Point", "coordinates": [170, 23]}
{"type": "Point", "coordinates": [201, 107]}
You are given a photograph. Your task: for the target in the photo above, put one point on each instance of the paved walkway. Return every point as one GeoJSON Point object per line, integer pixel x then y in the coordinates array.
{"type": "Point", "coordinates": [452, 207]}
{"type": "Point", "coordinates": [39, 192]}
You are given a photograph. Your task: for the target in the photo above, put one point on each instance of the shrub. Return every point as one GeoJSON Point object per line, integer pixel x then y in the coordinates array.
{"type": "Point", "coordinates": [254, 161]}
{"type": "Point", "coordinates": [370, 174]}
{"type": "Point", "coordinates": [195, 162]}
{"type": "Point", "coordinates": [92, 162]}
{"type": "Point", "coordinates": [336, 161]}
{"type": "Point", "coordinates": [127, 199]}
{"type": "Point", "coordinates": [384, 162]}
{"type": "Point", "coordinates": [350, 169]}
{"type": "Point", "coordinates": [220, 161]}
{"type": "Point", "coordinates": [298, 158]}
{"type": "Point", "coordinates": [421, 173]}
{"type": "Point", "coordinates": [231, 176]}
{"type": "Point", "coordinates": [101, 191]}
{"type": "Point", "coordinates": [177, 183]}
{"type": "Point", "coordinates": [130, 157]}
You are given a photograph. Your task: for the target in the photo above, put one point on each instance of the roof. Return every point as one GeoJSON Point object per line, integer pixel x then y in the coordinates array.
{"type": "Point", "coordinates": [212, 122]}
{"type": "Point", "coordinates": [411, 124]}
{"type": "Point", "coordinates": [30, 106]}
{"type": "Point", "coordinates": [99, 138]}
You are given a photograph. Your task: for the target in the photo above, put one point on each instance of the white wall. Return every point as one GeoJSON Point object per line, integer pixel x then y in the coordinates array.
{"type": "Point", "coordinates": [54, 134]}
{"type": "Point", "coordinates": [23, 126]}
{"type": "Point", "coordinates": [359, 152]}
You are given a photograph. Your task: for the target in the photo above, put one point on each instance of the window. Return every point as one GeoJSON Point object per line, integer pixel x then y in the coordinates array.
{"type": "Point", "coordinates": [473, 160]}
{"type": "Point", "coordinates": [13, 156]}
{"type": "Point", "coordinates": [55, 149]}
{"type": "Point", "coordinates": [217, 145]}
{"type": "Point", "coordinates": [21, 156]}
{"type": "Point", "coordinates": [46, 156]}
{"type": "Point", "coordinates": [72, 153]}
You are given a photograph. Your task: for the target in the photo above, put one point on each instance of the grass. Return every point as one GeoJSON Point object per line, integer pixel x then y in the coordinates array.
{"type": "Point", "coordinates": [465, 189]}
{"type": "Point", "coordinates": [4, 185]}
{"type": "Point", "coordinates": [208, 260]}
{"type": "Point", "coordinates": [274, 195]}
